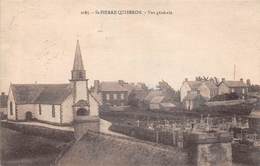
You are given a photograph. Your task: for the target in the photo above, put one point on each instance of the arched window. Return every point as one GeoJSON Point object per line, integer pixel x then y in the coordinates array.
{"type": "Point", "coordinates": [11, 108]}
{"type": "Point", "coordinates": [82, 111]}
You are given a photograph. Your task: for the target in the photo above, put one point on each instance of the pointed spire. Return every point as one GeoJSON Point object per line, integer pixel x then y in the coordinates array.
{"type": "Point", "coordinates": [78, 63]}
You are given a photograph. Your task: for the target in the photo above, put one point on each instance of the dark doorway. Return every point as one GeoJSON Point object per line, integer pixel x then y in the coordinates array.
{"type": "Point", "coordinates": [82, 111]}
{"type": "Point", "coordinates": [28, 116]}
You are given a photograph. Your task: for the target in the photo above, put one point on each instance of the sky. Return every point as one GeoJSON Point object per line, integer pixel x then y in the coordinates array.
{"type": "Point", "coordinates": [201, 37]}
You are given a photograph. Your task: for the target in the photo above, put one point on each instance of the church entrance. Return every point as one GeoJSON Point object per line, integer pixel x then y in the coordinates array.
{"type": "Point", "coordinates": [28, 116]}
{"type": "Point", "coordinates": [82, 111]}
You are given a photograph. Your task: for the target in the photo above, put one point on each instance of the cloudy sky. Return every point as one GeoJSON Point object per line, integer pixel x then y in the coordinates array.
{"type": "Point", "coordinates": [202, 37]}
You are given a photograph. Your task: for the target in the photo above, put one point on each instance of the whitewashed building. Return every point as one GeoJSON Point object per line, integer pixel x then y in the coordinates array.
{"type": "Point", "coordinates": [59, 104]}
{"type": "Point", "coordinates": [207, 89]}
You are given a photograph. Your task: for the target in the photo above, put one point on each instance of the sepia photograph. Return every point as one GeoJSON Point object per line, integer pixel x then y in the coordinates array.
{"type": "Point", "coordinates": [130, 83]}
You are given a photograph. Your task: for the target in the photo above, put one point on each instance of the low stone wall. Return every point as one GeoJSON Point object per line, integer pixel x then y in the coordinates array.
{"type": "Point", "coordinates": [40, 131]}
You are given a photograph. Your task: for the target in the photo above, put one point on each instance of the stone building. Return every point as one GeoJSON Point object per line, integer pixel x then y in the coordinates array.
{"type": "Point", "coordinates": [207, 89]}
{"type": "Point", "coordinates": [238, 87]}
{"type": "Point", "coordinates": [110, 93]}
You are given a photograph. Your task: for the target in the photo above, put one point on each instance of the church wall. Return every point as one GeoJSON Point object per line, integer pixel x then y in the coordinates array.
{"type": "Point", "coordinates": [10, 99]}
{"type": "Point", "coordinates": [22, 109]}
{"type": "Point", "coordinates": [46, 113]}
{"type": "Point", "coordinates": [67, 113]}
{"type": "Point", "coordinates": [81, 90]}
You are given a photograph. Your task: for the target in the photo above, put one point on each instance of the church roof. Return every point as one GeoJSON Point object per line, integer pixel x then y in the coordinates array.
{"type": "Point", "coordinates": [40, 93]}
{"type": "Point", "coordinates": [78, 62]}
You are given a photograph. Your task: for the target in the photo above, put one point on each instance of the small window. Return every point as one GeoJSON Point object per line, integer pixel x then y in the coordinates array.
{"type": "Point", "coordinates": [115, 96]}
{"type": "Point", "coordinates": [107, 96]}
{"type": "Point", "coordinates": [53, 111]}
{"type": "Point", "coordinates": [40, 109]}
{"type": "Point", "coordinates": [11, 108]}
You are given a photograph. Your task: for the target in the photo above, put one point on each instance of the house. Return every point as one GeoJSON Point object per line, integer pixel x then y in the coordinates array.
{"type": "Point", "coordinates": [161, 103]}
{"type": "Point", "coordinates": [238, 87]}
{"type": "Point", "coordinates": [155, 102]}
{"type": "Point", "coordinates": [58, 104]}
{"type": "Point", "coordinates": [207, 88]}
{"type": "Point", "coordinates": [3, 104]}
{"type": "Point", "coordinates": [193, 100]}
{"type": "Point", "coordinates": [110, 93]}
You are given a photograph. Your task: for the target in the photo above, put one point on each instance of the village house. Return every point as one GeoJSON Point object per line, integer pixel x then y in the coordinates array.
{"type": "Point", "coordinates": [207, 88]}
{"type": "Point", "coordinates": [58, 104]}
{"type": "Point", "coordinates": [193, 100]}
{"type": "Point", "coordinates": [3, 104]}
{"type": "Point", "coordinates": [238, 87]}
{"type": "Point", "coordinates": [161, 103]}
{"type": "Point", "coordinates": [110, 93]}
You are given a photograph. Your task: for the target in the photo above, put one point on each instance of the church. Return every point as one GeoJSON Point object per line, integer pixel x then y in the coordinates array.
{"type": "Point", "coordinates": [57, 104]}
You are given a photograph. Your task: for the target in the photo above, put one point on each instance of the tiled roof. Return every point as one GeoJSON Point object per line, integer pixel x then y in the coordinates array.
{"type": "Point", "coordinates": [234, 84]}
{"type": "Point", "coordinates": [111, 86]}
{"type": "Point", "coordinates": [3, 101]}
{"type": "Point", "coordinates": [157, 99]}
{"type": "Point", "coordinates": [40, 93]}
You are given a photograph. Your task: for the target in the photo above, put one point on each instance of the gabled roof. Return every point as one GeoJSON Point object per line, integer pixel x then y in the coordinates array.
{"type": "Point", "coordinates": [111, 86]}
{"type": "Point", "coordinates": [78, 63]}
{"type": "Point", "coordinates": [157, 99]}
{"type": "Point", "coordinates": [40, 93]}
{"type": "Point", "coordinates": [3, 101]}
{"type": "Point", "coordinates": [152, 94]}
{"type": "Point", "coordinates": [234, 84]}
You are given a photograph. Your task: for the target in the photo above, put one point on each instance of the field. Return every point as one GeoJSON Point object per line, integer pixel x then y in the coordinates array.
{"type": "Point", "coordinates": [21, 149]}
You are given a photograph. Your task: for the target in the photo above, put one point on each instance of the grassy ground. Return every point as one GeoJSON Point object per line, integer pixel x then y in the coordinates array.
{"type": "Point", "coordinates": [21, 149]}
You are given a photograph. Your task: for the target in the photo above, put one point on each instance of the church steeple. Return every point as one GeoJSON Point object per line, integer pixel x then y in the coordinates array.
{"type": "Point", "coordinates": [78, 72]}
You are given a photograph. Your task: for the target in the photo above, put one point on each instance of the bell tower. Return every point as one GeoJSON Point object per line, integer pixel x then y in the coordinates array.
{"type": "Point", "coordinates": [85, 116]}
{"type": "Point", "coordinates": [79, 84]}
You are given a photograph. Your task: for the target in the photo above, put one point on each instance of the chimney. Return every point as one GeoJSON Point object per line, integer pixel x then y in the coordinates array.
{"type": "Point", "coordinates": [241, 79]}
{"type": "Point", "coordinates": [2, 93]}
{"type": "Point", "coordinates": [186, 79]}
{"type": "Point", "coordinates": [96, 85]}
{"type": "Point", "coordinates": [223, 79]}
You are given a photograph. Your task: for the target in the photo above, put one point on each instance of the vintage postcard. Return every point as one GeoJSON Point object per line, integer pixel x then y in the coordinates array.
{"type": "Point", "coordinates": [130, 83]}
